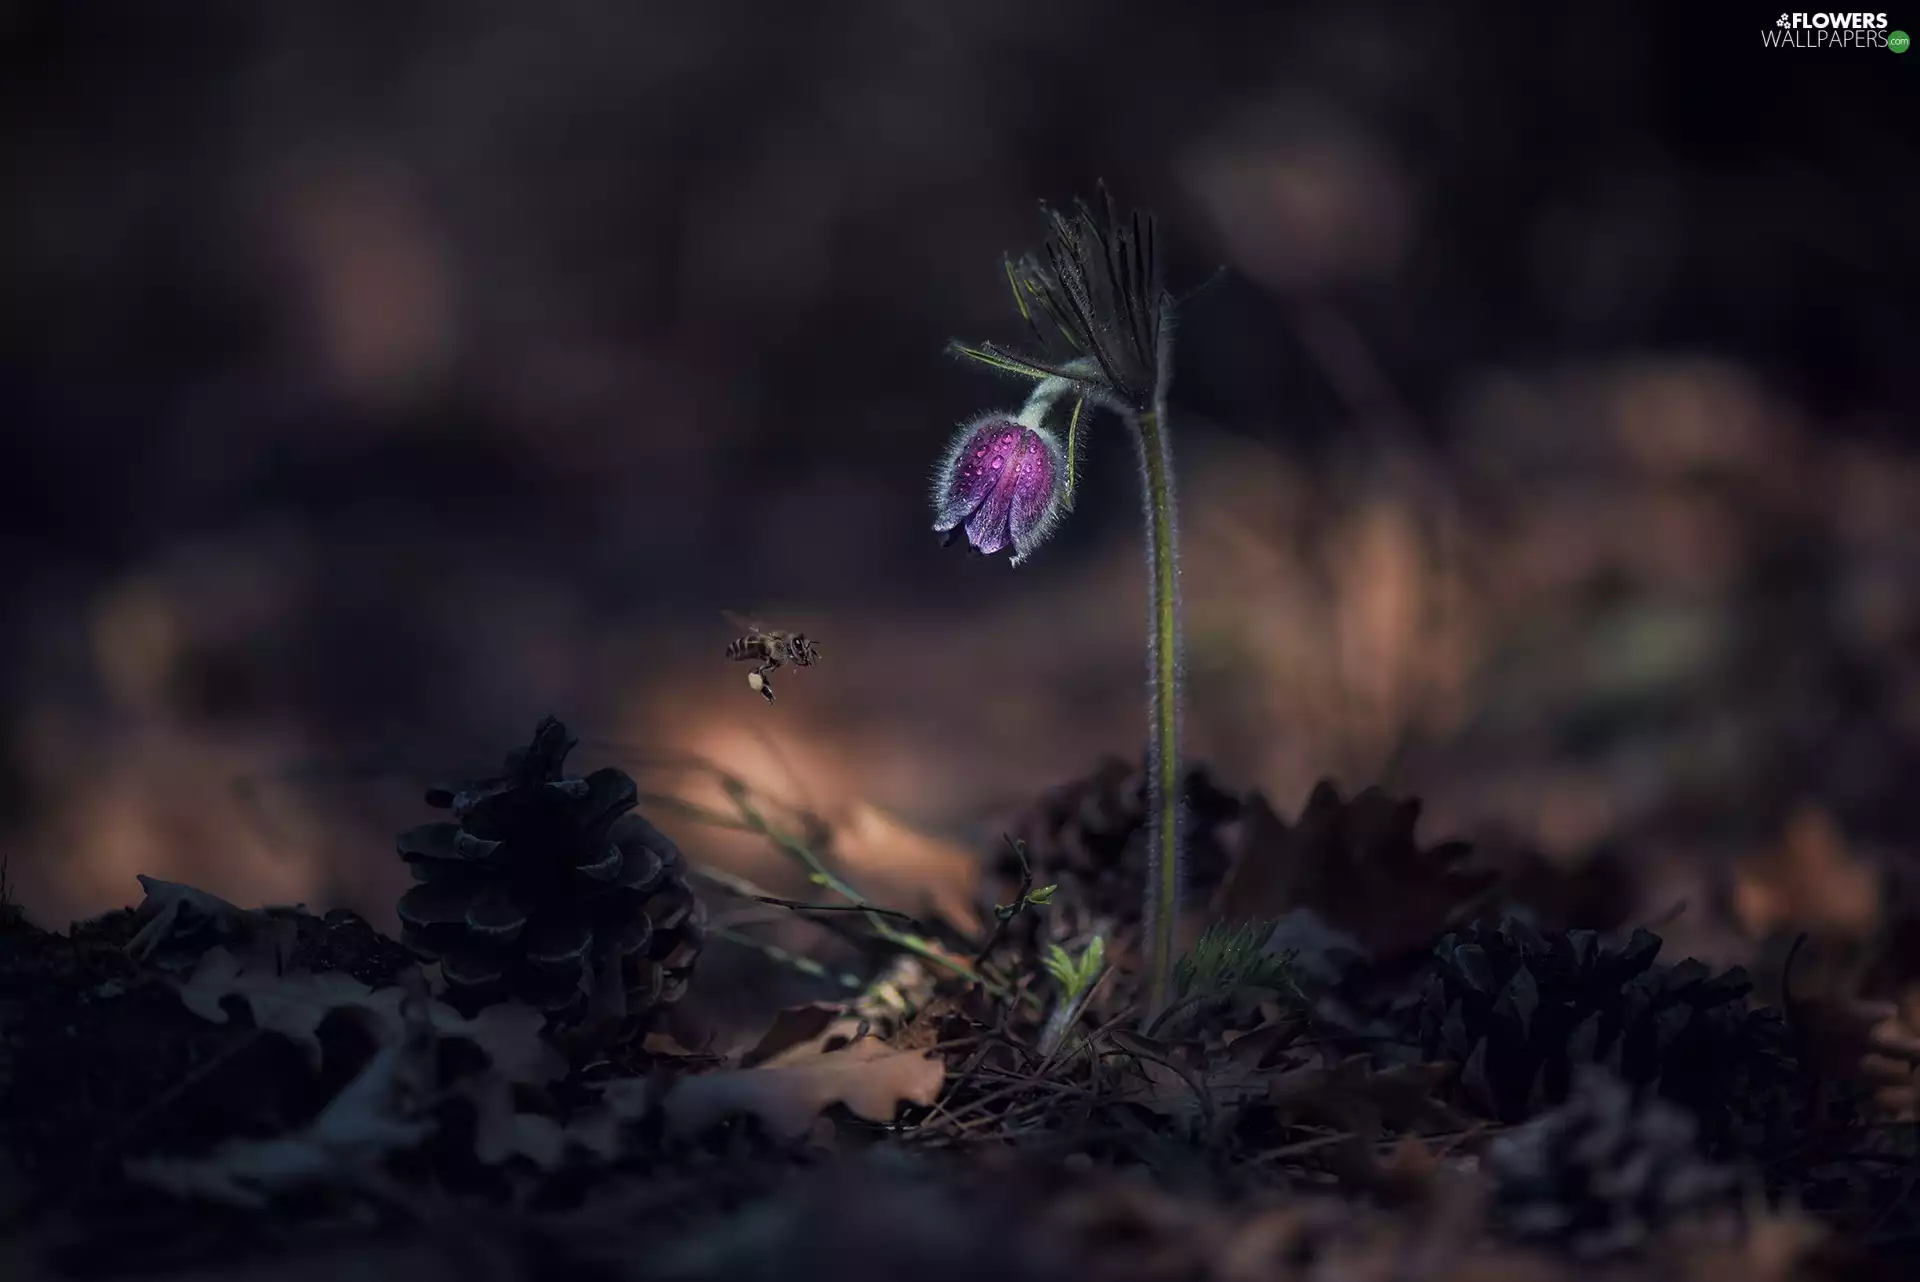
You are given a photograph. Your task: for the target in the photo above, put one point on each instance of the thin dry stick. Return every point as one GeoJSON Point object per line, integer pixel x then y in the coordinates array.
{"type": "Point", "coordinates": [1002, 920]}
{"type": "Point", "coordinates": [735, 884]}
{"type": "Point", "coordinates": [798, 907]}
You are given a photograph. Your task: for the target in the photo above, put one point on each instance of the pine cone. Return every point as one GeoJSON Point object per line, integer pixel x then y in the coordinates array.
{"type": "Point", "coordinates": [1354, 863]}
{"type": "Point", "coordinates": [1089, 837]}
{"type": "Point", "coordinates": [1600, 1177]}
{"type": "Point", "coordinates": [546, 888]}
{"type": "Point", "coordinates": [1520, 1011]}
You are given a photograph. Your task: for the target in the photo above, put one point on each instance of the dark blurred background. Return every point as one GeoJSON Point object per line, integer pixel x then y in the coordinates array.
{"type": "Point", "coordinates": [377, 377]}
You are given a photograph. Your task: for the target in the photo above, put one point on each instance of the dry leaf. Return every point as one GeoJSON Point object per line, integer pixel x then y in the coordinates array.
{"type": "Point", "coordinates": [796, 1028]}
{"type": "Point", "coordinates": [871, 1079]}
{"type": "Point", "coordinates": [294, 1005]}
{"type": "Point", "coordinates": [1354, 863]}
{"type": "Point", "coordinates": [944, 1019]}
{"type": "Point", "coordinates": [180, 922]}
{"type": "Point", "coordinates": [1874, 1044]}
{"type": "Point", "coordinates": [501, 1131]}
{"type": "Point", "coordinates": [1813, 881]}
{"type": "Point", "coordinates": [666, 1045]}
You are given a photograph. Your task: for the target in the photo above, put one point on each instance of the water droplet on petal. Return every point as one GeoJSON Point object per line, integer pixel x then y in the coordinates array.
{"type": "Point", "coordinates": [997, 462]}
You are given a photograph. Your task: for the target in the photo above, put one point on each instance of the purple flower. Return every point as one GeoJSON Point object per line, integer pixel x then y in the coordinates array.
{"type": "Point", "coordinates": [1004, 481]}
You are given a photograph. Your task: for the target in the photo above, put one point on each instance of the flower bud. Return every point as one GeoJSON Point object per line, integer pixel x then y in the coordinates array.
{"type": "Point", "coordinates": [1004, 480]}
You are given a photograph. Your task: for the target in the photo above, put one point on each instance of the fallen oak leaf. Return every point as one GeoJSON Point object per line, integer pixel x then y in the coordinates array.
{"type": "Point", "coordinates": [180, 922]}
{"type": "Point", "coordinates": [868, 1077]}
{"type": "Point", "coordinates": [1357, 864]}
{"type": "Point", "coordinates": [1875, 1044]}
{"type": "Point", "coordinates": [797, 1028]}
{"type": "Point", "coordinates": [510, 1033]}
{"type": "Point", "coordinates": [667, 1046]}
{"type": "Point", "coordinates": [942, 1021]}
{"type": "Point", "coordinates": [295, 1004]}
{"type": "Point", "coordinates": [291, 1005]}
{"type": "Point", "coordinates": [1813, 880]}
{"type": "Point", "coordinates": [502, 1131]}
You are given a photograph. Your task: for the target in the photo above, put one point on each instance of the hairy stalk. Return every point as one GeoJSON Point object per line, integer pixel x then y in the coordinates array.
{"type": "Point", "coordinates": [1094, 297]}
{"type": "Point", "coordinates": [1164, 669]}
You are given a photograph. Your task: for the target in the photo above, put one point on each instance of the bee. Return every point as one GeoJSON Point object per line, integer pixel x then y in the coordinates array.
{"type": "Point", "coordinates": [772, 648]}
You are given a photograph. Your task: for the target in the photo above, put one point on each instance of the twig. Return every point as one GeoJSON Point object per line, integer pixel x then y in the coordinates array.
{"type": "Point", "coordinates": [796, 906]}
{"type": "Point", "coordinates": [1001, 919]}
{"type": "Point", "coordinates": [734, 884]}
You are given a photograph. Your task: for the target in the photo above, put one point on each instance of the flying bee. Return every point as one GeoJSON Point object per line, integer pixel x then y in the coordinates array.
{"type": "Point", "coordinates": [773, 648]}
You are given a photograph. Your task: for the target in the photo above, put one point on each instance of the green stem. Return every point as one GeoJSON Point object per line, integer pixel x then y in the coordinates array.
{"type": "Point", "coordinates": [1163, 663]}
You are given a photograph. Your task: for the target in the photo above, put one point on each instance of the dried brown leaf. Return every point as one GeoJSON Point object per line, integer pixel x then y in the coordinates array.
{"type": "Point", "coordinates": [796, 1027]}
{"type": "Point", "coordinates": [1812, 881]}
{"type": "Point", "coordinates": [1356, 864]}
{"type": "Point", "coordinates": [1874, 1044]}
{"type": "Point", "coordinates": [868, 1077]}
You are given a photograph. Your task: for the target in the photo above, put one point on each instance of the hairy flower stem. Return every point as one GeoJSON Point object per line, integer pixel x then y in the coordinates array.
{"type": "Point", "coordinates": [1164, 668]}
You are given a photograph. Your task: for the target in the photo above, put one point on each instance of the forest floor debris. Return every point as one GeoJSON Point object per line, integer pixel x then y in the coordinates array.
{"type": "Point", "coordinates": [203, 1091]}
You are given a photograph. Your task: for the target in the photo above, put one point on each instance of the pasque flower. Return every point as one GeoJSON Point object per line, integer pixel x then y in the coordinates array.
{"type": "Point", "coordinates": [1094, 300]}
{"type": "Point", "coordinates": [1004, 481]}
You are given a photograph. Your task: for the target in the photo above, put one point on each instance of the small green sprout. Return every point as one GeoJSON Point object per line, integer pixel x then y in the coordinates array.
{"type": "Point", "coordinates": [1077, 977]}
{"type": "Point", "coordinates": [1076, 974]}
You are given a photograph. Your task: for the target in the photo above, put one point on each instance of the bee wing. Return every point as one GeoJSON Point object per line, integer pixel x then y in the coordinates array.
{"type": "Point", "coordinates": [741, 623]}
